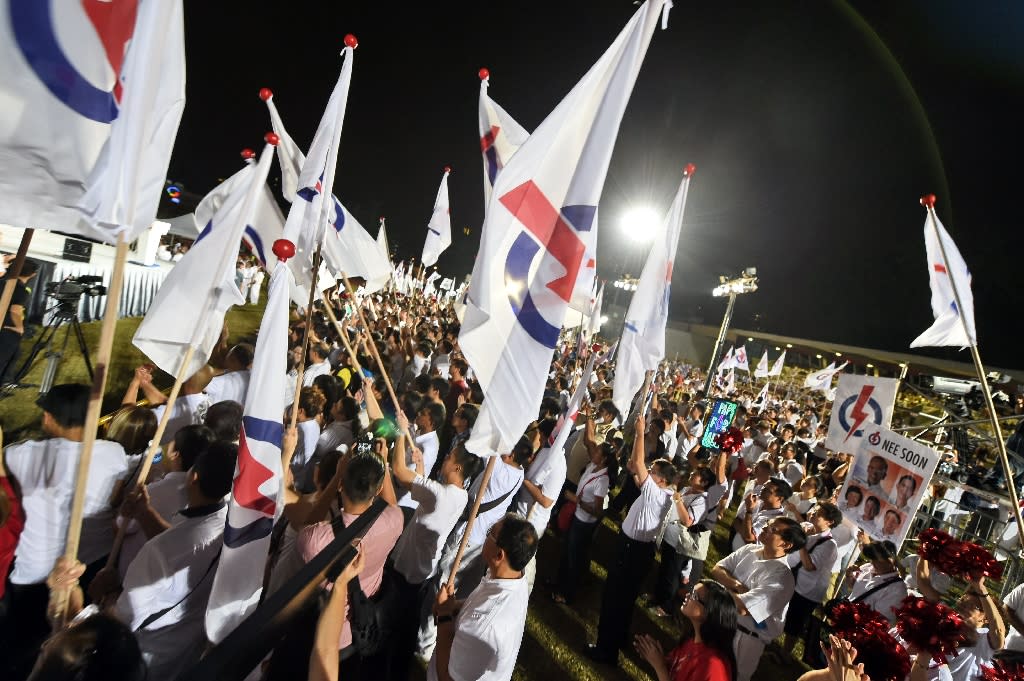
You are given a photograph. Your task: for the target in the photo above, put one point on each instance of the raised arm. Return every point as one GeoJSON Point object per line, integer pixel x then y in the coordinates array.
{"type": "Point", "coordinates": [399, 465]}
{"type": "Point", "coordinates": [996, 625]}
{"type": "Point", "coordinates": [636, 460]}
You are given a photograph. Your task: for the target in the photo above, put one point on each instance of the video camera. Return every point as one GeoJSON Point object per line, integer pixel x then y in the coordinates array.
{"type": "Point", "coordinates": [73, 288]}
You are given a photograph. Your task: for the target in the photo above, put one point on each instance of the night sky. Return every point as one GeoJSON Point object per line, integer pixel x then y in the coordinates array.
{"type": "Point", "coordinates": [815, 127]}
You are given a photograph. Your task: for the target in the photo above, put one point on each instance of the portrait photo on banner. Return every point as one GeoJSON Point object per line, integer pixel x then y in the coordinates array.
{"type": "Point", "coordinates": [888, 479]}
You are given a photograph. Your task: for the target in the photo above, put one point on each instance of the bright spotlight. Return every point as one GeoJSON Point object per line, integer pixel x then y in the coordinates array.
{"type": "Point", "coordinates": [641, 223]}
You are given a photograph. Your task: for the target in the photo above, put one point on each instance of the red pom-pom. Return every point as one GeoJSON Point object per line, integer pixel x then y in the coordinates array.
{"type": "Point", "coordinates": [731, 441]}
{"type": "Point", "coordinates": [958, 558]}
{"type": "Point", "coordinates": [846, 619]}
{"type": "Point", "coordinates": [689, 170]}
{"type": "Point", "coordinates": [350, 41]}
{"type": "Point", "coordinates": [266, 93]}
{"type": "Point", "coordinates": [271, 138]}
{"type": "Point", "coordinates": [283, 249]}
{"type": "Point", "coordinates": [447, 169]}
{"type": "Point", "coordinates": [884, 658]}
{"type": "Point", "coordinates": [343, 295]}
{"type": "Point", "coordinates": [931, 628]}
{"type": "Point", "coordinates": [484, 74]}
{"type": "Point", "coordinates": [928, 200]}
{"type": "Point", "coordinates": [596, 347]}
{"type": "Point", "coordinates": [1002, 671]}
{"type": "Point", "coordinates": [248, 153]}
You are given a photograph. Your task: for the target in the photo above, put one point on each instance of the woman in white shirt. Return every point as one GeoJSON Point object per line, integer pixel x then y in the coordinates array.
{"type": "Point", "coordinates": [878, 583]}
{"type": "Point", "coordinates": [688, 509]}
{"type": "Point", "coordinates": [589, 499]}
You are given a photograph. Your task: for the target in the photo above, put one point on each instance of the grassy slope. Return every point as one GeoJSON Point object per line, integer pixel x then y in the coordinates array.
{"type": "Point", "coordinates": [19, 416]}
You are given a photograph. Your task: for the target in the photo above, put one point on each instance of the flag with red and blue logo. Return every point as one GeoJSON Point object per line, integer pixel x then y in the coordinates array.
{"type": "Point", "coordinates": [255, 502]}
{"type": "Point", "coordinates": [92, 95]}
{"type": "Point", "coordinates": [500, 135]}
{"type": "Point", "coordinates": [946, 270]}
{"type": "Point", "coordinates": [537, 228]}
{"type": "Point", "coordinates": [642, 344]}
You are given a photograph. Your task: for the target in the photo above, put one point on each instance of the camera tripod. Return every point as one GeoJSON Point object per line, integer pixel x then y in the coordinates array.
{"type": "Point", "coordinates": [64, 312]}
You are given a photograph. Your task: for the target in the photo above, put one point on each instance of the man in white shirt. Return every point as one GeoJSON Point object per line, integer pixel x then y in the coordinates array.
{"type": "Point", "coordinates": [1013, 604]}
{"type": "Point", "coordinates": [318, 363]}
{"type": "Point", "coordinates": [635, 554]}
{"type": "Point", "coordinates": [429, 418]}
{"type": "Point", "coordinates": [762, 586]}
{"type": "Point", "coordinates": [233, 384]}
{"type": "Point", "coordinates": [478, 639]}
{"type": "Point", "coordinates": [164, 594]}
{"type": "Point", "coordinates": [45, 472]}
{"type": "Point", "coordinates": [812, 568]}
{"type": "Point", "coordinates": [755, 512]}
{"type": "Point", "coordinates": [545, 477]}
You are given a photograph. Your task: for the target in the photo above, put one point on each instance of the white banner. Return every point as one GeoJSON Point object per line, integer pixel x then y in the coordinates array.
{"type": "Point", "coordinates": [860, 402]}
{"type": "Point", "coordinates": [884, 489]}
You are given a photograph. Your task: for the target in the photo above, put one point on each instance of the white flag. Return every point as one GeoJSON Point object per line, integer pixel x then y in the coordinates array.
{"type": "Point", "coordinates": [729, 361]}
{"type": "Point", "coordinates": [762, 397]}
{"type": "Point", "coordinates": [595, 312]}
{"type": "Point", "coordinates": [382, 242]}
{"type": "Point", "coordinates": [308, 217]}
{"type": "Point", "coordinates": [777, 366]}
{"type": "Point", "coordinates": [535, 233]}
{"type": "Point", "coordinates": [948, 328]}
{"type": "Point", "coordinates": [500, 135]}
{"type": "Point", "coordinates": [730, 382]}
{"type": "Point", "coordinates": [739, 360]}
{"type": "Point", "coordinates": [189, 307]}
{"type": "Point", "coordinates": [642, 345]}
{"type": "Point", "coordinates": [92, 96]}
{"type": "Point", "coordinates": [267, 224]}
{"type": "Point", "coordinates": [822, 380]}
{"type": "Point", "coordinates": [762, 367]}
{"type": "Point", "coordinates": [255, 502]}
{"type": "Point", "coordinates": [439, 229]}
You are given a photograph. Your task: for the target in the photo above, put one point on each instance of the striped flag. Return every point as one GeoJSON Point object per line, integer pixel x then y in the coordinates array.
{"type": "Point", "coordinates": [255, 502]}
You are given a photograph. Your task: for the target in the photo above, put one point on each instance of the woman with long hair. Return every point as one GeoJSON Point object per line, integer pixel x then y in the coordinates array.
{"type": "Point", "coordinates": [705, 650]}
{"type": "Point", "coordinates": [132, 428]}
{"type": "Point", "coordinates": [589, 499]}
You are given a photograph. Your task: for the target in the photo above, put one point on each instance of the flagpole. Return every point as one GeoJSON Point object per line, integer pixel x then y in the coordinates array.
{"type": "Point", "coordinates": [92, 415]}
{"type": "Point", "coordinates": [314, 282]}
{"type": "Point", "coordinates": [15, 271]}
{"type": "Point", "coordinates": [484, 481]}
{"type": "Point", "coordinates": [1011, 487]}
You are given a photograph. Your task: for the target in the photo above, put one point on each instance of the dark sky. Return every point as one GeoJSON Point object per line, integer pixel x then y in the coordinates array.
{"type": "Point", "coordinates": [814, 126]}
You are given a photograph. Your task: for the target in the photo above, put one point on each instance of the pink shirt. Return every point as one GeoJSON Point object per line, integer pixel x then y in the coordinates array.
{"type": "Point", "coordinates": [376, 545]}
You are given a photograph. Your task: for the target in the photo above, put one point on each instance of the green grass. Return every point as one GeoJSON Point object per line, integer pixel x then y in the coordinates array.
{"type": "Point", "coordinates": [19, 415]}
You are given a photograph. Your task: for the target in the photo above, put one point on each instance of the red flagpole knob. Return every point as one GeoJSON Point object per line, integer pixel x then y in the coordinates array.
{"type": "Point", "coordinates": [689, 170]}
{"type": "Point", "coordinates": [271, 138]}
{"type": "Point", "coordinates": [283, 249]}
{"type": "Point", "coordinates": [484, 74]}
{"type": "Point", "coordinates": [928, 200]}
{"type": "Point", "coordinates": [248, 153]}
{"type": "Point", "coordinates": [447, 169]}
{"type": "Point", "coordinates": [351, 41]}
{"type": "Point", "coordinates": [266, 93]}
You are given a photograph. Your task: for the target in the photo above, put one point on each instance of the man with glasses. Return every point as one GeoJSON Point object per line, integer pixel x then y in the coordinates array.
{"type": "Point", "coordinates": [635, 554]}
{"type": "Point", "coordinates": [762, 586]}
{"type": "Point", "coordinates": [755, 513]}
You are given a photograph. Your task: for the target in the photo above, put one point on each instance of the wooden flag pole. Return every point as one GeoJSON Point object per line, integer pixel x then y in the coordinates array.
{"type": "Point", "coordinates": [484, 481]}
{"type": "Point", "coordinates": [92, 415]}
{"type": "Point", "coordinates": [14, 272]}
{"type": "Point", "coordinates": [1011, 487]}
{"type": "Point", "coordinates": [305, 336]}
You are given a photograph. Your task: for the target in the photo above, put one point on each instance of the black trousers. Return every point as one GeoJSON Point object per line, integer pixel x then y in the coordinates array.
{"type": "Point", "coordinates": [667, 584]}
{"type": "Point", "coordinates": [628, 493]}
{"type": "Point", "coordinates": [9, 344]}
{"type": "Point", "coordinates": [572, 568]}
{"type": "Point", "coordinates": [625, 578]}
{"type": "Point", "coordinates": [403, 643]}
{"type": "Point", "coordinates": [26, 627]}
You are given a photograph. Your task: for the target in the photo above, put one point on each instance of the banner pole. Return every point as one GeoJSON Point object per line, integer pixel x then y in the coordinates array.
{"type": "Point", "coordinates": [472, 518]}
{"type": "Point", "coordinates": [15, 271]}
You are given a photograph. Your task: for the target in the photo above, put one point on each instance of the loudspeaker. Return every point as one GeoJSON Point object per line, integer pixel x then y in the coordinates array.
{"type": "Point", "coordinates": [79, 251]}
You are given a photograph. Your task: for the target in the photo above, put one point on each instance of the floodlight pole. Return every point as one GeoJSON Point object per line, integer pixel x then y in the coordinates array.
{"type": "Point", "coordinates": [719, 342]}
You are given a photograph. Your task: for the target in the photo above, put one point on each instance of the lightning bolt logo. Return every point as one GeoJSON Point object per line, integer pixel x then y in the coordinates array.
{"type": "Point", "coordinates": [857, 413]}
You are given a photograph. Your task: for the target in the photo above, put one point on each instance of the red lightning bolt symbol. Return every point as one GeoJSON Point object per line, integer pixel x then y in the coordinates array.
{"type": "Point", "coordinates": [858, 413]}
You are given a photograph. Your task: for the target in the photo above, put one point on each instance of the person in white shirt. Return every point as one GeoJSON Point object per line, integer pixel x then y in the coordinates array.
{"type": "Point", "coordinates": [790, 468]}
{"type": "Point", "coordinates": [812, 569]}
{"type": "Point", "coordinates": [343, 428]}
{"type": "Point", "coordinates": [800, 503]}
{"type": "Point", "coordinates": [762, 586]}
{"type": "Point", "coordinates": [877, 583]}
{"type": "Point", "coordinates": [692, 429]}
{"type": "Point", "coordinates": [257, 282]}
{"type": "Point", "coordinates": [544, 480]}
{"type": "Point", "coordinates": [45, 472]}
{"type": "Point", "coordinates": [233, 383]}
{"type": "Point", "coordinates": [979, 609]}
{"type": "Point", "coordinates": [310, 416]}
{"type": "Point", "coordinates": [416, 555]}
{"type": "Point", "coordinates": [1013, 606]}
{"type": "Point", "coordinates": [635, 554]}
{"type": "Point", "coordinates": [429, 418]}
{"type": "Point", "coordinates": [478, 639]}
{"type": "Point", "coordinates": [757, 512]}
{"type": "Point", "coordinates": [318, 363]}
{"type": "Point", "coordinates": [676, 542]}
{"type": "Point", "coordinates": [189, 408]}
{"type": "Point", "coordinates": [164, 594]}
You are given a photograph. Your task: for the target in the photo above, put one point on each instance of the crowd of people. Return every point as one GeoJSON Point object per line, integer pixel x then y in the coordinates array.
{"type": "Point", "coordinates": [136, 605]}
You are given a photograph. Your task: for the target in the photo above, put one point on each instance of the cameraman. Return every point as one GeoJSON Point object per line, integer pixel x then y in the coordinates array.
{"type": "Point", "coordinates": [14, 323]}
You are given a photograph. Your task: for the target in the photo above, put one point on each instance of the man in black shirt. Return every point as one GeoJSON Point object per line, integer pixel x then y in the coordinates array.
{"type": "Point", "coordinates": [14, 323]}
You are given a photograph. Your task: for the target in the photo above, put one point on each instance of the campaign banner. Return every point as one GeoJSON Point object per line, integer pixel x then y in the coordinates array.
{"type": "Point", "coordinates": [861, 402]}
{"type": "Point", "coordinates": [886, 484]}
